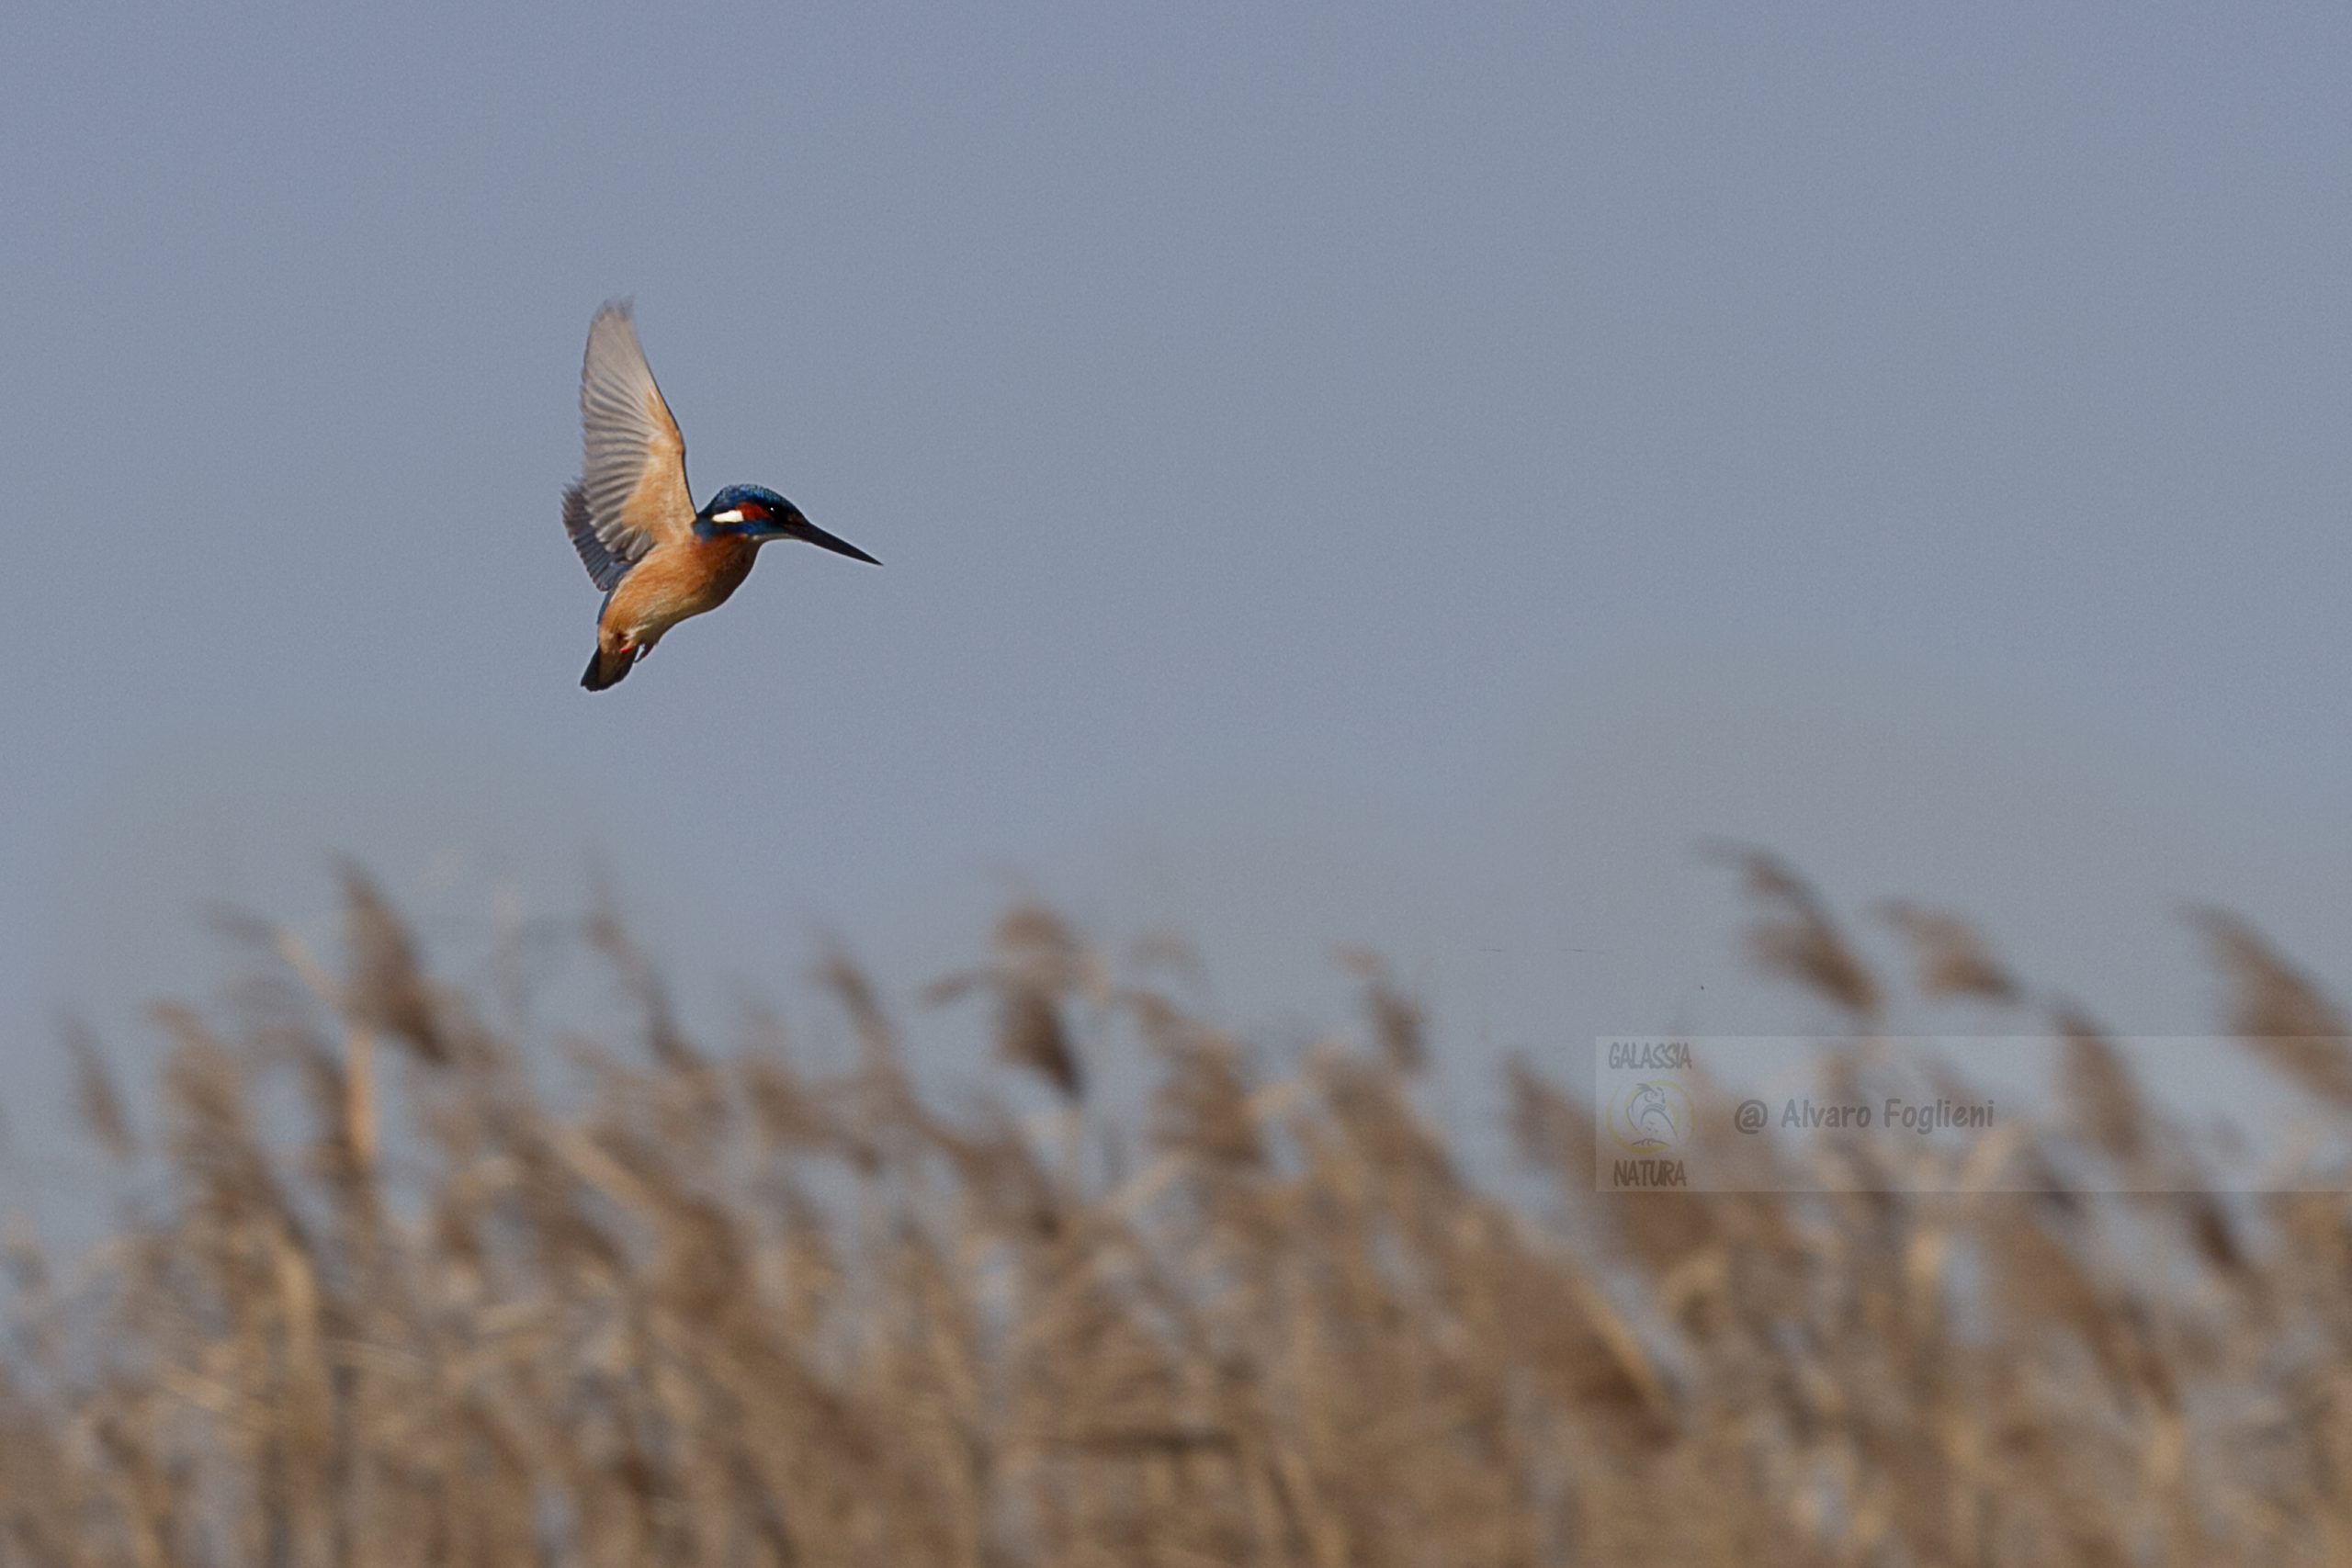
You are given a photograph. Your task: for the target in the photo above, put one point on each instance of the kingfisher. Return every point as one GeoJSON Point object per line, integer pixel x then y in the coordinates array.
{"type": "Point", "coordinates": [631, 517]}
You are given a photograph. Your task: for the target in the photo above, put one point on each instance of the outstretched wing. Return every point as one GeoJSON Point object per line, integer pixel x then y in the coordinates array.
{"type": "Point", "coordinates": [632, 492]}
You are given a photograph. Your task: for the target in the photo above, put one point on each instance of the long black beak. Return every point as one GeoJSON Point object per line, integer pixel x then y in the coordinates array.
{"type": "Point", "coordinates": [804, 529]}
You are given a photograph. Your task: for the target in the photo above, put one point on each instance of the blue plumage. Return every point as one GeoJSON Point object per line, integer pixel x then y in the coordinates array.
{"type": "Point", "coordinates": [734, 496]}
{"type": "Point", "coordinates": [742, 509]}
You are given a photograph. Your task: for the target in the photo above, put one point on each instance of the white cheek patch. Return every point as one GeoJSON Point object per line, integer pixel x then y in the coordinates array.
{"type": "Point", "coordinates": [727, 517]}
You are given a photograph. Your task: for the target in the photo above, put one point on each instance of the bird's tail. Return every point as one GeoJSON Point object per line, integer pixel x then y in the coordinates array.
{"type": "Point", "coordinates": [605, 668]}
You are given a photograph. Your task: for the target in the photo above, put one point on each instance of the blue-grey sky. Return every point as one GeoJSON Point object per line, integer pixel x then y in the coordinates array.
{"type": "Point", "coordinates": [1345, 472]}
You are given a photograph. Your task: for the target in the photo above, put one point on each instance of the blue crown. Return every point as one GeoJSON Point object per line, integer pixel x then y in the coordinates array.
{"type": "Point", "coordinates": [732, 498]}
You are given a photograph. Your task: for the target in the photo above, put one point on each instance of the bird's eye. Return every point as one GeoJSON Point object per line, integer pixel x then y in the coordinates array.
{"type": "Point", "coordinates": [730, 516]}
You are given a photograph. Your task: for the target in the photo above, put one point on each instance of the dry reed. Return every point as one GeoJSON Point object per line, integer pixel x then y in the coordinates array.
{"type": "Point", "coordinates": [732, 1310]}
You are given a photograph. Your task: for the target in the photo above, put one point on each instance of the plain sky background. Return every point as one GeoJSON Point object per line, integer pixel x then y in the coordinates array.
{"type": "Point", "coordinates": [1346, 473]}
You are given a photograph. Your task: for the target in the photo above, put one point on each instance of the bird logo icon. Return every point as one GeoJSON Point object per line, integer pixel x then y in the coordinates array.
{"type": "Point", "coordinates": [1654, 1115]}
{"type": "Point", "coordinates": [631, 517]}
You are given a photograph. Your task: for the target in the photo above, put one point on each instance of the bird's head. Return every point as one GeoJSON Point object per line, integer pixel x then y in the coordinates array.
{"type": "Point", "coordinates": [751, 511]}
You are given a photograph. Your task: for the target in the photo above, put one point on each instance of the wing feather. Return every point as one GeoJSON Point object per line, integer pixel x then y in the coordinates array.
{"type": "Point", "coordinates": [600, 562]}
{"type": "Point", "coordinates": [632, 493]}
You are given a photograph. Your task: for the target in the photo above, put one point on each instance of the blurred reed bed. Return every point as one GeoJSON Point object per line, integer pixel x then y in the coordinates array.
{"type": "Point", "coordinates": [730, 1309]}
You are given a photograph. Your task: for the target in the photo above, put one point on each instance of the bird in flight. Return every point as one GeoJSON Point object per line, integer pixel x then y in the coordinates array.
{"type": "Point", "coordinates": [633, 520]}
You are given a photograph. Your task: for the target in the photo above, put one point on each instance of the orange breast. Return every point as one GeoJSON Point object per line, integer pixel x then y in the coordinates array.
{"type": "Point", "coordinates": [674, 581]}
